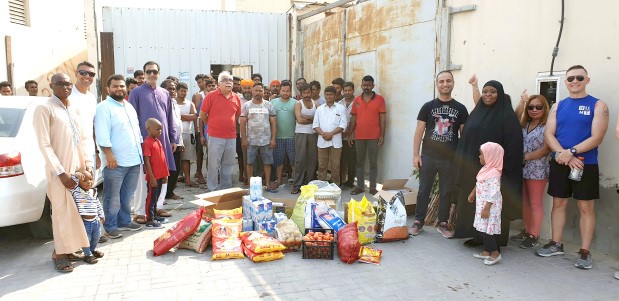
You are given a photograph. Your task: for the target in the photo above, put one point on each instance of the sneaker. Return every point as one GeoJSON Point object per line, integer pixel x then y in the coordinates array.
{"type": "Point", "coordinates": [153, 225]}
{"type": "Point", "coordinates": [491, 261]}
{"type": "Point", "coordinates": [584, 260]}
{"type": "Point", "coordinates": [520, 236]}
{"type": "Point", "coordinates": [102, 239]}
{"type": "Point", "coordinates": [114, 234]}
{"type": "Point", "coordinates": [617, 275]}
{"type": "Point", "coordinates": [529, 242]}
{"type": "Point", "coordinates": [162, 220]}
{"type": "Point", "coordinates": [444, 230]}
{"type": "Point", "coordinates": [550, 249]}
{"type": "Point", "coordinates": [416, 228]}
{"type": "Point", "coordinates": [130, 227]}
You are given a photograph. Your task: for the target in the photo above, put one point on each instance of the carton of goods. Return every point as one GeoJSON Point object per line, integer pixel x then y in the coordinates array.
{"type": "Point", "coordinates": [178, 232]}
{"type": "Point", "coordinates": [289, 235]}
{"type": "Point", "coordinates": [278, 217]}
{"type": "Point", "coordinates": [221, 200]}
{"type": "Point", "coordinates": [267, 226]}
{"type": "Point", "coordinates": [392, 186]}
{"type": "Point", "coordinates": [318, 244]}
{"type": "Point", "coordinates": [199, 240]}
{"type": "Point", "coordinates": [258, 210]}
{"type": "Point", "coordinates": [226, 240]}
{"type": "Point", "coordinates": [391, 219]}
{"type": "Point", "coordinates": [248, 224]}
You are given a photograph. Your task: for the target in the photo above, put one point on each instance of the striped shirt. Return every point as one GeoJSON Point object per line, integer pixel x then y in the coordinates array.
{"type": "Point", "coordinates": [86, 203]}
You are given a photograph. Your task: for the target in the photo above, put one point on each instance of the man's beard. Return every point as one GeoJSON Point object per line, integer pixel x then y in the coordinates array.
{"type": "Point", "coordinates": [118, 97]}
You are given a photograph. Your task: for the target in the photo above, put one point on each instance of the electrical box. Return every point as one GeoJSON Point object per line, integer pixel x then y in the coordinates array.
{"type": "Point", "coordinates": [551, 87]}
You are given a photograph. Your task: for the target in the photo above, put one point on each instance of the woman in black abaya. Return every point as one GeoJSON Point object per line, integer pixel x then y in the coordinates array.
{"type": "Point", "coordinates": [492, 120]}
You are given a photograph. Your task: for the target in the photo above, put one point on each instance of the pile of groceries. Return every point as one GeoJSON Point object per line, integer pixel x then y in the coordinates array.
{"type": "Point", "coordinates": [319, 223]}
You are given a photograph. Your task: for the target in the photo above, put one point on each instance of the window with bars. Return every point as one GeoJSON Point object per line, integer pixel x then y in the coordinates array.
{"type": "Point", "coordinates": [18, 12]}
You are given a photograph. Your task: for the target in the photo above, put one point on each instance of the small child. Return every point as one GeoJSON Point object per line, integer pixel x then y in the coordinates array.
{"type": "Point", "coordinates": [487, 194]}
{"type": "Point", "coordinates": [156, 171]}
{"type": "Point", "coordinates": [91, 211]}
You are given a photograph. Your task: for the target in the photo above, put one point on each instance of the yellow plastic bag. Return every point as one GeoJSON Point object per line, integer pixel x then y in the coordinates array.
{"type": "Point", "coordinates": [363, 213]}
{"type": "Point", "coordinates": [226, 240]}
{"type": "Point", "coordinates": [298, 213]}
{"type": "Point", "coordinates": [235, 213]}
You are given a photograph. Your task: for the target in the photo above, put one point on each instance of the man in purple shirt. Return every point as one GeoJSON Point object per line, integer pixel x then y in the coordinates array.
{"type": "Point", "coordinates": [152, 101]}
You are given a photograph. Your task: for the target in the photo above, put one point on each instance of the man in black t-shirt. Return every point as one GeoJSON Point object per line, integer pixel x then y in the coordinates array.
{"type": "Point", "coordinates": [439, 124]}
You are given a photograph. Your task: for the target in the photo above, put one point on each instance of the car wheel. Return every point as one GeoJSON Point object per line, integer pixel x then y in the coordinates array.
{"type": "Point", "coordinates": [42, 229]}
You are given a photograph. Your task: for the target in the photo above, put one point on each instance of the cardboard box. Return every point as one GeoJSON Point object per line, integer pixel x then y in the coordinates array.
{"type": "Point", "coordinates": [221, 200]}
{"type": "Point", "coordinates": [392, 186]}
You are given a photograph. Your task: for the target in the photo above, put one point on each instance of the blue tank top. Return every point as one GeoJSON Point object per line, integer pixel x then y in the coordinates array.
{"type": "Point", "coordinates": [574, 120]}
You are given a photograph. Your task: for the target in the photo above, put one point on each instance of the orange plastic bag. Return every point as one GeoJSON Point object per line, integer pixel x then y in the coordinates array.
{"type": "Point", "coordinates": [226, 242]}
{"type": "Point", "coordinates": [261, 243]}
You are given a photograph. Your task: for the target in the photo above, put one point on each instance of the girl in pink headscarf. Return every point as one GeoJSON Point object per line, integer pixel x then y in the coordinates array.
{"type": "Point", "coordinates": [487, 195]}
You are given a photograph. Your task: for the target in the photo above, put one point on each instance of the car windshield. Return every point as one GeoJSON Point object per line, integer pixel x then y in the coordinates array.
{"type": "Point", "coordinates": [10, 120]}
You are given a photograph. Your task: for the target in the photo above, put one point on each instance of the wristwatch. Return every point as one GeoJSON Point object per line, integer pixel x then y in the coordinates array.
{"type": "Point", "coordinates": [573, 151]}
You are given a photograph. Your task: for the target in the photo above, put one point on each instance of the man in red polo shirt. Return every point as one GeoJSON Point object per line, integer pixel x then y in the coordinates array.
{"type": "Point", "coordinates": [226, 108]}
{"type": "Point", "coordinates": [368, 125]}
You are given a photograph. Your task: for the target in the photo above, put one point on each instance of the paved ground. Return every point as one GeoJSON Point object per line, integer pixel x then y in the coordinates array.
{"type": "Point", "coordinates": [427, 267]}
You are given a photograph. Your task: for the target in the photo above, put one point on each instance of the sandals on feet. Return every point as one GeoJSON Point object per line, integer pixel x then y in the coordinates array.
{"type": "Point", "coordinates": [63, 265]}
{"type": "Point", "coordinates": [91, 259]}
{"type": "Point", "coordinates": [97, 254]}
{"type": "Point", "coordinates": [140, 219]}
{"type": "Point", "coordinates": [191, 184]}
{"type": "Point", "coordinates": [75, 257]}
{"type": "Point", "coordinates": [295, 190]}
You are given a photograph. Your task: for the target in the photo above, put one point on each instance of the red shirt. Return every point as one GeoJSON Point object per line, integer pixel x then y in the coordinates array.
{"type": "Point", "coordinates": [367, 126]}
{"type": "Point", "coordinates": [222, 122]}
{"type": "Point", "coordinates": [154, 149]}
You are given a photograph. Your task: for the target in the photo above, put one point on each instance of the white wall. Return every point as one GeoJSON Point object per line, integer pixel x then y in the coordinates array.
{"type": "Point", "coordinates": [512, 40]}
{"type": "Point", "coordinates": [50, 44]}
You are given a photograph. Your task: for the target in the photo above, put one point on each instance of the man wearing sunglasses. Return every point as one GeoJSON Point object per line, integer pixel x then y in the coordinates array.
{"type": "Point", "coordinates": [86, 104]}
{"type": "Point", "coordinates": [574, 130]}
{"type": "Point", "coordinates": [152, 101]}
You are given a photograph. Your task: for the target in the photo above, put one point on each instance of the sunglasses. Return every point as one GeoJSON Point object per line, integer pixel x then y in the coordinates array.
{"type": "Point", "coordinates": [63, 84]}
{"type": "Point", "coordinates": [577, 77]}
{"type": "Point", "coordinates": [85, 73]}
{"type": "Point", "coordinates": [531, 108]}
{"type": "Point", "coordinates": [152, 71]}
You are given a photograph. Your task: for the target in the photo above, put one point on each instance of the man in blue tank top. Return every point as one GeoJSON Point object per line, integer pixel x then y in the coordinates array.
{"type": "Point", "coordinates": [574, 130]}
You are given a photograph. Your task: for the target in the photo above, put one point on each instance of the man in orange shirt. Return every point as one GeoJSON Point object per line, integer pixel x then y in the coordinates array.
{"type": "Point", "coordinates": [368, 125]}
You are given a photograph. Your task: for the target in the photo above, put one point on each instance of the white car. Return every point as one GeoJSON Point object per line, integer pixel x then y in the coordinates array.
{"type": "Point", "coordinates": [22, 168]}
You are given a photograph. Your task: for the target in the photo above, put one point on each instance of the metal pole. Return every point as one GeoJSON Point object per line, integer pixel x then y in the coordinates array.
{"type": "Point", "coordinates": [323, 9]}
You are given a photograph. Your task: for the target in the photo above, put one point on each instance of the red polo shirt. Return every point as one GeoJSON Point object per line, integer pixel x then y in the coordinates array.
{"type": "Point", "coordinates": [222, 112]}
{"type": "Point", "coordinates": [154, 149]}
{"type": "Point", "coordinates": [367, 126]}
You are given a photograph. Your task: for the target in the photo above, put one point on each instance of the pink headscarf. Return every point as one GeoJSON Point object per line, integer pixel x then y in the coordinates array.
{"type": "Point", "coordinates": [493, 156]}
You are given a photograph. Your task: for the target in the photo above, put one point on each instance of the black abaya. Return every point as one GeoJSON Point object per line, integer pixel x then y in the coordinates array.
{"type": "Point", "coordinates": [495, 123]}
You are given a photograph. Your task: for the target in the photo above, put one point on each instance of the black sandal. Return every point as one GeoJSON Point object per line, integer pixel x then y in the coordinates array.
{"type": "Point", "coordinates": [63, 265]}
{"type": "Point", "coordinates": [97, 254]}
{"type": "Point", "coordinates": [74, 257]}
{"type": "Point", "coordinates": [90, 259]}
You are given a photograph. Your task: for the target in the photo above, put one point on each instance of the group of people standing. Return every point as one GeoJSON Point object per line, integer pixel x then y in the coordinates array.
{"type": "Point", "coordinates": [142, 134]}
{"type": "Point", "coordinates": [496, 161]}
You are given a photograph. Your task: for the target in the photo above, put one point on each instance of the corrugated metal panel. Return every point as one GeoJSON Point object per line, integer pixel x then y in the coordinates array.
{"type": "Point", "coordinates": [393, 41]}
{"type": "Point", "coordinates": [190, 41]}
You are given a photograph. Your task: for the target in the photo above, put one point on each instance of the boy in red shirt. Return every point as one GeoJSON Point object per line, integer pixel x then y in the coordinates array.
{"type": "Point", "coordinates": [156, 171]}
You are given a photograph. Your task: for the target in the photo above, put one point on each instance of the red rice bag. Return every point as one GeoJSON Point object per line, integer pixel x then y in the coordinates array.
{"type": "Point", "coordinates": [178, 232]}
